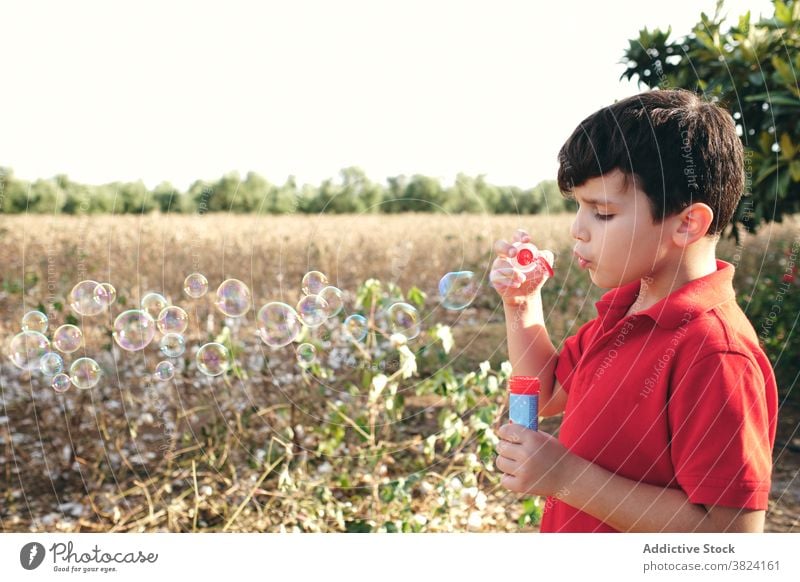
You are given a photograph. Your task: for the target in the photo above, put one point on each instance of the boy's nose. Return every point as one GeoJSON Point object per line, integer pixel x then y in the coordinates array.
{"type": "Point", "coordinates": [577, 231]}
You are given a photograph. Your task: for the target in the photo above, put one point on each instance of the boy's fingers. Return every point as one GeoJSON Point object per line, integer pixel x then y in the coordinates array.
{"type": "Point", "coordinates": [506, 277]}
{"type": "Point", "coordinates": [501, 264]}
{"type": "Point", "coordinates": [522, 236]}
{"type": "Point", "coordinates": [504, 249]}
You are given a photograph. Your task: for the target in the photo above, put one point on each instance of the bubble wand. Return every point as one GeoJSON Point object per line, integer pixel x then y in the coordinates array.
{"type": "Point", "coordinates": [524, 390]}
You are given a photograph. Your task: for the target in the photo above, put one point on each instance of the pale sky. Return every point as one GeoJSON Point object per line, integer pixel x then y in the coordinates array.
{"type": "Point", "coordinates": [177, 91]}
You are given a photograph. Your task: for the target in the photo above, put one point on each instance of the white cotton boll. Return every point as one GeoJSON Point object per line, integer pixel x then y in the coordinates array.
{"type": "Point", "coordinates": [397, 340]}
{"type": "Point", "coordinates": [475, 521]}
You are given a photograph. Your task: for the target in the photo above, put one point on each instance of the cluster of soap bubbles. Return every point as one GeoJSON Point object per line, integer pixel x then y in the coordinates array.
{"type": "Point", "coordinates": [135, 329]}
{"type": "Point", "coordinates": [277, 324]}
{"type": "Point", "coordinates": [31, 350]}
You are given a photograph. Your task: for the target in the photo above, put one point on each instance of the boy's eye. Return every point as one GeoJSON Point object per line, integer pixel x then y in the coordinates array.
{"type": "Point", "coordinates": [603, 216]}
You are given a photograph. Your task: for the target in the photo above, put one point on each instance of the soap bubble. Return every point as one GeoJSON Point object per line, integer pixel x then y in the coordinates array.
{"type": "Point", "coordinates": [51, 364]}
{"type": "Point", "coordinates": [82, 299]}
{"type": "Point", "coordinates": [84, 373]}
{"type": "Point", "coordinates": [67, 338]}
{"type": "Point", "coordinates": [356, 326]}
{"type": "Point", "coordinates": [27, 349]}
{"type": "Point", "coordinates": [306, 354]}
{"type": "Point", "coordinates": [314, 282]}
{"type": "Point", "coordinates": [195, 285]}
{"type": "Point", "coordinates": [313, 310]}
{"type": "Point", "coordinates": [233, 298]}
{"type": "Point", "coordinates": [404, 319]}
{"type": "Point", "coordinates": [278, 324]}
{"type": "Point", "coordinates": [134, 329]}
{"type": "Point", "coordinates": [164, 371]}
{"type": "Point", "coordinates": [105, 294]}
{"type": "Point", "coordinates": [154, 303]}
{"type": "Point", "coordinates": [172, 319]}
{"type": "Point", "coordinates": [335, 300]}
{"type": "Point", "coordinates": [60, 383]}
{"type": "Point", "coordinates": [34, 321]}
{"type": "Point", "coordinates": [172, 345]}
{"type": "Point", "coordinates": [212, 359]}
{"type": "Point", "coordinates": [458, 289]}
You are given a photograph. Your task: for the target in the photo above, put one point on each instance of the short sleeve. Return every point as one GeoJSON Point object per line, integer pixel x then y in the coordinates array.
{"type": "Point", "coordinates": [719, 419]}
{"type": "Point", "coordinates": [571, 352]}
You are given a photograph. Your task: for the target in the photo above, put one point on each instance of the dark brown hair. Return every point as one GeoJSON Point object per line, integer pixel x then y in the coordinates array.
{"type": "Point", "coordinates": [679, 148]}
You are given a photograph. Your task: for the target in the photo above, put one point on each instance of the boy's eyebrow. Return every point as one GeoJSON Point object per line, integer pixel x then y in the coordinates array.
{"type": "Point", "coordinates": [596, 201]}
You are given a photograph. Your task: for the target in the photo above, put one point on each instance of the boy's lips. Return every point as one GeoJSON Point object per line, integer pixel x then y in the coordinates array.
{"type": "Point", "coordinates": [581, 261]}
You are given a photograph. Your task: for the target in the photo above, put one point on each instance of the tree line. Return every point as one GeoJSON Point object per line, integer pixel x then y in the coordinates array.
{"type": "Point", "coordinates": [351, 192]}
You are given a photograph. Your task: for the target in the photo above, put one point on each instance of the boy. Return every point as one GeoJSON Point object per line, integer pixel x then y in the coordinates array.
{"type": "Point", "coordinates": [670, 404]}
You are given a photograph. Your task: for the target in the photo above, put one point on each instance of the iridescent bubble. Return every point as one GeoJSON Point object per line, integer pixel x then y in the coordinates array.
{"type": "Point", "coordinates": [105, 294]}
{"type": "Point", "coordinates": [84, 373]}
{"type": "Point", "coordinates": [335, 300]}
{"type": "Point", "coordinates": [67, 338]}
{"type": "Point", "coordinates": [172, 345]}
{"type": "Point", "coordinates": [458, 289]}
{"type": "Point", "coordinates": [34, 321]}
{"type": "Point", "coordinates": [233, 298]}
{"type": "Point", "coordinates": [278, 324]}
{"type": "Point", "coordinates": [82, 299]}
{"type": "Point", "coordinates": [313, 310]}
{"type": "Point", "coordinates": [51, 364]}
{"type": "Point", "coordinates": [404, 319]}
{"type": "Point", "coordinates": [306, 354]}
{"type": "Point", "coordinates": [314, 282]}
{"type": "Point", "coordinates": [356, 326]}
{"type": "Point", "coordinates": [212, 359]}
{"type": "Point", "coordinates": [134, 329]}
{"type": "Point", "coordinates": [154, 303]}
{"type": "Point", "coordinates": [27, 349]}
{"type": "Point", "coordinates": [60, 383]}
{"type": "Point", "coordinates": [164, 371]}
{"type": "Point", "coordinates": [172, 319]}
{"type": "Point", "coordinates": [195, 285]}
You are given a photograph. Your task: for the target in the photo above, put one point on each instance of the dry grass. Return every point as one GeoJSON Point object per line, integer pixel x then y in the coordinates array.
{"type": "Point", "coordinates": [91, 461]}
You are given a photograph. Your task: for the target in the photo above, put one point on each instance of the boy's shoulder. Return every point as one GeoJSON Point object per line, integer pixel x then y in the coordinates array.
{"type": "Point", "coordinates": [724, 328]}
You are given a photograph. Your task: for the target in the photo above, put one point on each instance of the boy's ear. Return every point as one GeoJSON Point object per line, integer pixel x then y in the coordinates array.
{"type": "Point", "coordinates": [693, 224]}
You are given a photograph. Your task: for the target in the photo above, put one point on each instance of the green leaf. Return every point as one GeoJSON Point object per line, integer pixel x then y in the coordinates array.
{"type": "Point", "coordinates": [794, 170]}
{"type": "Point", "coordinates": [783, 13]}
{"type": "Point", "coordinates": [357, 526]}
{"type": "Point", "coordinates": [788, 149]}
{"type": "Point", "coordinates": [774, 99]}
{"type": "Point", "coordinates": [744, 22]}
{"type": "Point", "coordinates": [417, 297]}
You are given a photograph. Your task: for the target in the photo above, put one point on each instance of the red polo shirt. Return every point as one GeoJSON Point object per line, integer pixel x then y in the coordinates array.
{"type": "Point", "coordinates": [679, 395]}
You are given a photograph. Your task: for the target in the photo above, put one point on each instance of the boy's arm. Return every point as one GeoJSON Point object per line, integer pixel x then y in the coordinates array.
{"type": "Point", "coordinates": [530, 351]}
{"type": "Point", "coordinates": [629, 505]}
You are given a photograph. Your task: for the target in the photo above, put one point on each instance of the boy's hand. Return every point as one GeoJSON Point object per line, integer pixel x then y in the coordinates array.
{"type": "Point", "coordinates": [509, 282]}
{"type": "Point", "coordinates": [533, 462]}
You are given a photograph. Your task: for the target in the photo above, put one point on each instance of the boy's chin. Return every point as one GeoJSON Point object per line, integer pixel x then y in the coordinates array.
{"type": "Point", "coordinates": [602, 282]}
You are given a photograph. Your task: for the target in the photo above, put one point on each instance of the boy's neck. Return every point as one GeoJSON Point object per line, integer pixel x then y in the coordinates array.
{"type": "Point", "coordinates": [672, 273]}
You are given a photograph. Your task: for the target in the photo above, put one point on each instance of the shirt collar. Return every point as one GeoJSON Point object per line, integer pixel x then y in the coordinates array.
{"type": "Point", "coordinates": [677, 308]}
